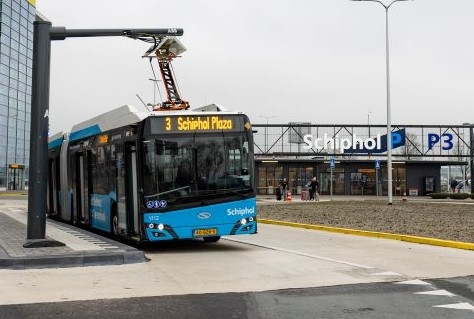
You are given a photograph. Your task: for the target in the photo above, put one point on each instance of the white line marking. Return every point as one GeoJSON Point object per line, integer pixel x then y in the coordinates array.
{"type": "Point", "coordinates": [461, 305]}
{"type": "Point", "coordinates": [440, 292]}
{"type": "Point", "coordinates": [303, 254]}
{"type": "Point", "coordinates": [414, 282]}
{"type": "Point", "coordinates": [386, 273]}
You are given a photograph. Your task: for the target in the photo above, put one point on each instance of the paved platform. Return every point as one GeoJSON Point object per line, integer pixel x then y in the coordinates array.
{"type": "Point", "coordinates": [81, 248]}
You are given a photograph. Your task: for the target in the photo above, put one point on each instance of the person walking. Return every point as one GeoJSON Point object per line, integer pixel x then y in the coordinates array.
{"type": "Point", "coordinates": [284, 189]}
{"type": "Point", "coordinates": [313, 189]}
{"type": "Point", "coordinates": [454, 184]}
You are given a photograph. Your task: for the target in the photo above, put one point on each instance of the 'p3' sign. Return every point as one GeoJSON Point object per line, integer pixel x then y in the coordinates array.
{"type": "Point", "coordinates": [446, 140]}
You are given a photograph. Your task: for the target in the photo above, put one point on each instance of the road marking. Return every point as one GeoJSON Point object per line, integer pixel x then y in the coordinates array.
{"type": "Point", "coordinates": [461, 305]}
{"type": "Point", "coordinates": [57, 232]}
{"type": "Point", "coordinates": [414, 282]}
{"type": "Point", "coordinates": [386, 273]}
{"type": "Point", "coordinates": [303, 254]}
{"type": "Point", "coordinates": [440, 292]}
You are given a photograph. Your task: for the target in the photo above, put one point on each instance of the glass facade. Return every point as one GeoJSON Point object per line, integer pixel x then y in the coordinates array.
{"type": "Point", "coordinates": [425, 158]}
{"type": "Point", "coordinates": [16, 67]}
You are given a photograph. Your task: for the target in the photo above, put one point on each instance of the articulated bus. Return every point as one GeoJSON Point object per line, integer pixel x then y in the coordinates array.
{"type": "Point", "coordinates": [155, 175]}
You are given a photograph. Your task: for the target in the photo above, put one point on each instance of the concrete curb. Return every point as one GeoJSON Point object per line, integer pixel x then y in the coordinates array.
{"type": "Point", "coordinates": [72, 260]}
{"type": "Point", "coordinates": [407, 238]}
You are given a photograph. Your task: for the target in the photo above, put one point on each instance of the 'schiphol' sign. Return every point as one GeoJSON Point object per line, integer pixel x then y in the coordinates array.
{"type": "Point", "coordinates": [354, 144]}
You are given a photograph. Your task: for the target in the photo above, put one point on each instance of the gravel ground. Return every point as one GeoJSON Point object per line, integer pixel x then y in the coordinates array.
{"type": "Point", "coordinates": [448, 221]}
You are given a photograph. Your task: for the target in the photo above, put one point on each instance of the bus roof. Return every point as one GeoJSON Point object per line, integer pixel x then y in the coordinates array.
{"type": "Point", "coordinates": [122, 116]}
{"type": "Point", "coordinates": [55, 140]}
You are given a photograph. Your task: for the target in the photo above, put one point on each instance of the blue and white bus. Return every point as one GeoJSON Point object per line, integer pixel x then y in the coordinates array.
{"type": "Point", "coordinates": [156, 175]}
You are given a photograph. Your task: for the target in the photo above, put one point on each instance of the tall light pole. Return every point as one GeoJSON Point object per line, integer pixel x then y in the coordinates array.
{"type": "Point", "coordinates": [266, 128]}
{"type": "Point", "coordinates": [389, 119]}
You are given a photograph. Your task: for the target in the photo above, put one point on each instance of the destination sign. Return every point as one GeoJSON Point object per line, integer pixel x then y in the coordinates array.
{"type": "Point", "coordinates": [196, 123]}
{"type": "Point", "coordinates": [204, 123]}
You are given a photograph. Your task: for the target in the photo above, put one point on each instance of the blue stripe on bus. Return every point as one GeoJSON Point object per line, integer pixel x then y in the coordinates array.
{"type": "Point", "coordinates": [225, 218]}
{"type": "Point", "coordinates": [86, 132]}
{"type": "Point", "coordinates": [56, 143]}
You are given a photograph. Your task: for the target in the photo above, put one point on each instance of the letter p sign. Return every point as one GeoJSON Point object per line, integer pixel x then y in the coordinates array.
{"type": "Point", "coordinates": [432, 140]}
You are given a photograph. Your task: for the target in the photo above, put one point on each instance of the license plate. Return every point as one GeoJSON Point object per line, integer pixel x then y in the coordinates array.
{"type": "Point", "coordinates": [205, 232]}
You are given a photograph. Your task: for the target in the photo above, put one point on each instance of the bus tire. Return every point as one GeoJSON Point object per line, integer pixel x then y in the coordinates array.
{"type": "Point", "coordinates": [211, 239]}
{"type": "Point", "coordinates": [114, 226]}
{"type": "Point", "coordinates": [115, 230]}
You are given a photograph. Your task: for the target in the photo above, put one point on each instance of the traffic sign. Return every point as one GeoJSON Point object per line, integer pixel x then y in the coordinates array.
{"type": "Point", "coordinates": [332, 162]}
{"type": "Point", "coordinates": [377, 164]}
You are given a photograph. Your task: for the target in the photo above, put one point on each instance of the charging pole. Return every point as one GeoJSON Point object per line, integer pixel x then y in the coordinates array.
{"type": "Point", "coordinates": [44, 33]}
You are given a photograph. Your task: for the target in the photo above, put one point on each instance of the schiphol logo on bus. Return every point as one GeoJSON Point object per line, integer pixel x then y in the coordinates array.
{"type": "Point", "coordinates": [241, 211]}
{"type": "Point", "coordinates": [204, 215]}
{"type": "Point", "coordinates": [377, 144]}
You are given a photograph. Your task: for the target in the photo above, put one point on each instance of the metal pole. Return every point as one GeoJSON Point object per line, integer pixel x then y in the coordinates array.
{"type": "Point", "coordinates": [266, 132]}
{"type": "Point", "coordinates": [377, 182]}
{"type": "Point", "coordinates": [154, 94]}
{"type": "Point", "coordinates": [471, 157]}
{"type": "Point", "coordinates": [330, 186]}
{"type": "Point", "coordinates": [44, 33]}
{"type": "Point", "coordinates": [266, 137]}
{"type": "Point", "coordinates": [38, 174]}
{"type": "Point", "coordinates": [61, 33]}
{"type": "Point", "coordinates": [389, 118]}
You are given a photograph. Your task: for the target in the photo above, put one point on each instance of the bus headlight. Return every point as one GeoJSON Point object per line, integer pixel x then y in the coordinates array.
{"type": "Point", "coordinates": [161, 226]}
{"type": "Point", "coordinates": [243, 221]}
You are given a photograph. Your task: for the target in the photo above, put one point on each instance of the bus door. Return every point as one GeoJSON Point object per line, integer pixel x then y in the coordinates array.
{"type": "Point", "coordinates": [82, 212]}
{"type": "Point", "coordinates": [52, 191]}
{"type": "Point", "coordinates": [128, 220]}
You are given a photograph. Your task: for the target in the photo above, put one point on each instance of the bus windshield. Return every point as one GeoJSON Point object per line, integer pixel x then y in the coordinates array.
{"type": "Point", "coordinates": [180, 169]}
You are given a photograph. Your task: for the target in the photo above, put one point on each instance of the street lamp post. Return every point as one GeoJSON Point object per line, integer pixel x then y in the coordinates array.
{"type": "Point", "coordinates": [266, 128]}
{"type": "Point", "coordinates": [389, 120]}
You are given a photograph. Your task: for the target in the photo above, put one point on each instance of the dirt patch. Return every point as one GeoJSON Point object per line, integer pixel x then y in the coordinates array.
{"type": "Point", "coordinates": [448, 221]}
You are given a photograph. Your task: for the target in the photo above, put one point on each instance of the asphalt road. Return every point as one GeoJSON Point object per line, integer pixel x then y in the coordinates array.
{"type": "Point", "coordinates": [282, 272]}
{"type": "Point", "coordinates": [379, 300]}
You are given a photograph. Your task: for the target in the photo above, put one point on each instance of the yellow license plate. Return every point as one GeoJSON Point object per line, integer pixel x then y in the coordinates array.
{"type": "Point", "coordinates": [205, 232]}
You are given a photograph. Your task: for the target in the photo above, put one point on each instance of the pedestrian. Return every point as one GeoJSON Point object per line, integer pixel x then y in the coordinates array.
{"type": "Point", "coordinates": [460, 186]}
{"type": "Point", "coordinates": [453, 185]}
{"type": "Point", "coordinates": [284, 189]}
{"type": "Point", "coordinates": [313, 189]}
{"type": "Point", "coordinates": [278, 192]}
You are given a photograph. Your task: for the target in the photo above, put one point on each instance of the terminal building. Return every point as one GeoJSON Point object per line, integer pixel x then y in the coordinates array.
{"type": "Point", "coordinates": [352, 159]}
{"type": "Point", "coordinates": [16, 68]}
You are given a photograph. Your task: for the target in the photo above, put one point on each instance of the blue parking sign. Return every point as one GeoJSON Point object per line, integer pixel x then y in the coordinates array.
{"type": "Point", "coordinates": [332, 162]}
{"type": "Point", "coordinates": [377, 164]}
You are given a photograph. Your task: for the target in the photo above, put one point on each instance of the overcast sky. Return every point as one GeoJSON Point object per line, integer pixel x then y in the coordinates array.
{"type": "Point", "coordinates": [318, 61]}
